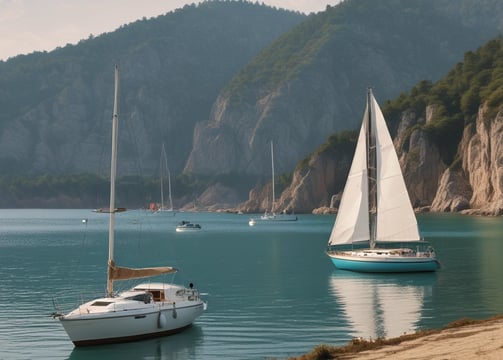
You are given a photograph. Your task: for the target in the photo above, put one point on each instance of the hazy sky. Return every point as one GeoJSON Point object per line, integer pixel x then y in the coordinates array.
{"type": "Point", "coordinates": [37, 25]}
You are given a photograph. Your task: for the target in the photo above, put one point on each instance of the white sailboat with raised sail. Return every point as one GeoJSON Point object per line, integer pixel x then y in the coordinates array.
{"type": "Point", "coordinates": [147, 310]}
{"type": "Point", "coordinates": [376, 229]}
{"type": "Point", "coordinates": [272, 215]}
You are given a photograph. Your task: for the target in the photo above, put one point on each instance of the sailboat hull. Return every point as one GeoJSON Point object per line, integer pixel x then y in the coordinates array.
{"type": "Point", "coordinates": [383, 264]}
{"type": "Point", "coordinates": [126, 326]}
{"type": "Point", "coordinates": [279, 217]}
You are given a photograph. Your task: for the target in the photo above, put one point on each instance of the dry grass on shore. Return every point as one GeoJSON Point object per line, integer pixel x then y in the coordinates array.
{"type": "Point", "coordinates": [356, 346]}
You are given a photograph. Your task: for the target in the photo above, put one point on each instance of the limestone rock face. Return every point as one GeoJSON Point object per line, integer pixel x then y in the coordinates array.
{"type": "Point", "coordinates": [215, 198]}
{"type": "Point", "coordinates": [453, 193]}
{"type": "Point", "coordinates": [238, 133]}
{"type": "Point", "coordinates": [483, 163]}
{"type": "Point", "coordinates": [476, 188]}
{"type": "Point", "coordinates": [314, 185]}
{"type": "Point", "coordinates": [420, 159]}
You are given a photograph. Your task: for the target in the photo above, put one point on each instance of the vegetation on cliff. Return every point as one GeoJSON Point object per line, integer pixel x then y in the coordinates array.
{"type": "Point", "coordinates": [474, 84]}
{"type": "Point", "coordinates": [475, 81]}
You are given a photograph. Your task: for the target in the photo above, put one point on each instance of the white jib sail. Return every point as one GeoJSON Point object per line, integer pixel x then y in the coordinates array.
{"type": "Point", "coordinates": [396, 220]}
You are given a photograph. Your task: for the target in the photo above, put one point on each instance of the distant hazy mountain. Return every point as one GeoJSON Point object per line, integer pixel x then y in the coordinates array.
{"type": "Point", "coordinates": [312, 81]}
{"type": "Point", "coordinates": [56, 107]}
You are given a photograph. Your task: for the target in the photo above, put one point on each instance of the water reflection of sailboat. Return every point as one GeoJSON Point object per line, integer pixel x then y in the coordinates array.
{"type": "Point", "coordinates": [381, 307]}
{"type": "Point", "coordinates": [180, 346]}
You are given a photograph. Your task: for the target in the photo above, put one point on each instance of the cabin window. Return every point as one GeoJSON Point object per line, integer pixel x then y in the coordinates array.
{"type": "Point", "coordinates": [143, 297]}
{"type": "Point", "coordinates": [158, 295]}
{"type": "Point", "coordinates": [101, 303]}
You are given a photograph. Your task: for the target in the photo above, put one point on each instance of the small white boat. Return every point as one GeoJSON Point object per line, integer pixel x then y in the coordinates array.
{"type": "Point", "coordinates": [187, 226]}
{"type": "Point", "coordinates": [145, 311]}
{"type": "Point", "coordinates": [272, 218]}
{"type": "Point", "coordinates": [279, 217]}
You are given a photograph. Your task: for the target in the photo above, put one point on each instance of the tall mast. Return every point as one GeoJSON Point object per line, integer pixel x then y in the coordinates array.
{"type": "Point", "coordinates": [273, 182]}
{"type": "Point", "coordinates": [371, 169]}
{"type": "Point", "coordinates": [113, 172]}
{"type": "Point", "coordinates": [161, 167]}
{"type": "Point", "coordinates": [165, 158]}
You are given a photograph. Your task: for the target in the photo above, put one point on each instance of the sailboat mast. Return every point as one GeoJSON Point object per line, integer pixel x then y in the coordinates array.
{"type": "Point", "coordinates": [273, 182]}
{"type": "Point", "coordinates": [169, 177]}
{"type": "Point", "coordinates": [163, 154]}
{"type": "Point", "coordinates": [371, 170]}
{"type": "Point", "coordinates": [169, 188]}
{"type": "Point", "coordinates": [113, 172]}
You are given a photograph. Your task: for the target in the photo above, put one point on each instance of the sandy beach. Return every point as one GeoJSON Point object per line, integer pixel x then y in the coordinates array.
{"type": "Point", "coordinates": [477, 340]}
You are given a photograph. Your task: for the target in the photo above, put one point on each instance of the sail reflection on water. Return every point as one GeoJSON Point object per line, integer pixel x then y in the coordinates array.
{"type": "Point", "coordinates": [381, 306]}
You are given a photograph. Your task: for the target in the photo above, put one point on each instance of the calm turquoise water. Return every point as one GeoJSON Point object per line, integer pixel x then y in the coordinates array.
{"type": "Point", "coordinates": [271, 290]}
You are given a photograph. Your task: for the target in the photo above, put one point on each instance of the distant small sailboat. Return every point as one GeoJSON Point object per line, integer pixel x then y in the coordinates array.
{"type": "Point", "coordinates": [145, 311]}
{"type": "Point", "coordinates": [164, 166]}
{"type": "Point", "coordinates": [375, 209]}
{"type": "Point", "coordinates": [273, 216]}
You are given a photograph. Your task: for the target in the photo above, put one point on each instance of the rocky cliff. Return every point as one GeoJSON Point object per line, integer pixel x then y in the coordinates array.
{"type": "Point", "coordinates": [472, 185]}
{"type": "Point", "coordinates": [477, 187]}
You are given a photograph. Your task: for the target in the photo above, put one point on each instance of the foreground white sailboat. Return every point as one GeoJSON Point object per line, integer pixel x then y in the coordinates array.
{"type": "Point", "coordinates": [273, 216]}
{"type": "Point", "coordinates": [376, 210]}
{"type": "Point", "coordinates": [147, 310]}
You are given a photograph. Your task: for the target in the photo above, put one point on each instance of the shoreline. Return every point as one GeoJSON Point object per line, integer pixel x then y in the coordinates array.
{"type": "Point", "coordinates": [463, 339]}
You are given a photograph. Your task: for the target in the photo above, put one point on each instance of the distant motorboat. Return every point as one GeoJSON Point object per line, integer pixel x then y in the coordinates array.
{"type": "Point", "coordinates": [107, 210]}
{"type": "Point", "coordinates": [187, 226]}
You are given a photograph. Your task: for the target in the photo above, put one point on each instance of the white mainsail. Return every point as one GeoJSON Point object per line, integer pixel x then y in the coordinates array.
{"type": "Point", "coordinates": [395, 219]}
{"type": "Point", "coordinates": [352, 222]}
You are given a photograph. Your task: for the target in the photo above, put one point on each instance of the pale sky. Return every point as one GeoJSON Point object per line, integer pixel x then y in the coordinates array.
{"type": "Point", "coordinates": [38, 25]}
